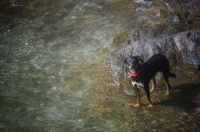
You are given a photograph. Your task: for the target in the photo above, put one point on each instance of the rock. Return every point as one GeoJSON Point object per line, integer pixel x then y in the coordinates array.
{"type": "Point", "coordinates": [181, 48]}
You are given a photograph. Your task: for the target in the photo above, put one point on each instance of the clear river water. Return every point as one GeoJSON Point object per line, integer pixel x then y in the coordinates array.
{"type": "Point", "coordinates": [53, 76]}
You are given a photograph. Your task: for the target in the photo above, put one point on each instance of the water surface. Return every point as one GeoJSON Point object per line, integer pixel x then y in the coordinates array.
{"type": "Point", "coordinates": [52, 74]}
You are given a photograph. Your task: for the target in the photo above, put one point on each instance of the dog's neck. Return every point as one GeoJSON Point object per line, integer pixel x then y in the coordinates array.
{"type": "Point", "coordinates": [135, 74]}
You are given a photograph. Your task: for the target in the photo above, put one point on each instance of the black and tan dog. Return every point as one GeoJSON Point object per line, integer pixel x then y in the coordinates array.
{"type": "Point", "coordinates": [141, 74]}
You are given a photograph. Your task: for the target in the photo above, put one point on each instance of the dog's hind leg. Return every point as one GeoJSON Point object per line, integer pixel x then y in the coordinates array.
{"type": "Point", "coordinates": [153, 80]}
{"type": "Point", "coordinates": [165, 72]}
{"type": "Point", "coordinates": [167, 84]}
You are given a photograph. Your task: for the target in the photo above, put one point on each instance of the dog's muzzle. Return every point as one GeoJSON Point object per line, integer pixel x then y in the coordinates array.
{"type": "Point", "coordinates": [132, 71]}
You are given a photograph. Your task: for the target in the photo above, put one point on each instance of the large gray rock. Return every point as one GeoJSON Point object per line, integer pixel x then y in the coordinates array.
{"type": "Point", "coordinates": [182, 47]}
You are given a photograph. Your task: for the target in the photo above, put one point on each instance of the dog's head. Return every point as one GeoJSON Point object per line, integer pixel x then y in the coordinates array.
{"type": "Point", "coordinates": [132, 63]}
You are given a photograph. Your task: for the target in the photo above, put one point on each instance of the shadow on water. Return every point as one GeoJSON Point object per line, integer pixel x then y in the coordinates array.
{"type": "Point", "coordinates": [184, 96]}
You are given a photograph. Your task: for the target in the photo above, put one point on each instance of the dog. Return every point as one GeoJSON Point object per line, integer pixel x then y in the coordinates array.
{"type": "Point", "coordinates": [142, 73]}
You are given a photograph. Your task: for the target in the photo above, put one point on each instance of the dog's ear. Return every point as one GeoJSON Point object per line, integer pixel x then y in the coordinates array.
{"type": "Point", "coordinates": [140, 59]}
{"type": "Point", "coordinates": [123, 62]}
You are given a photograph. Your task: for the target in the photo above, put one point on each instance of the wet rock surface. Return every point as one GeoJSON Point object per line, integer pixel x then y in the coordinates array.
{"type": "Point", "coordinates": [52, 74]}
{"type": "Point", "coordinates": [182, 51]}
{"type": "Point", "coordinates": [180, 48]}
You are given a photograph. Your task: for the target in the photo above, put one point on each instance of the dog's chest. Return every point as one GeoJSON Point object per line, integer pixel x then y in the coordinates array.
{"type": "Point", "coordinates": [137, 81]}
{"type": "Point", "coordinates": [138, 84]}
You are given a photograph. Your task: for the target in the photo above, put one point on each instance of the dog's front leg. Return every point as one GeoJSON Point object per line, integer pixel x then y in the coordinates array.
{"type": "Point", "coordinates": [137, 91]}
{"type": "Point", "coordinates": [146, 88]}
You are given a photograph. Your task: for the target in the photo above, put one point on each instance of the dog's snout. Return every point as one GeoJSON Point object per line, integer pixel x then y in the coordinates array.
{"type": "Point", "coordinates": [132, 69]}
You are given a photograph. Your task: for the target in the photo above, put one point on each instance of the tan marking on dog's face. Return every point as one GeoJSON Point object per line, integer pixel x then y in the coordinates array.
{"type": "Point", "coordinates": [140, 84]}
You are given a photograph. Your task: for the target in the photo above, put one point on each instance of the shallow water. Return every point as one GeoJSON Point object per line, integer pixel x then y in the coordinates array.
{"type": "Point", "coordinates": [52, 74]}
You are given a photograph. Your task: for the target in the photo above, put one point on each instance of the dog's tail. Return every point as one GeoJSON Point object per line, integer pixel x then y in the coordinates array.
{"type": "Point", "coordinates": [172, 75]}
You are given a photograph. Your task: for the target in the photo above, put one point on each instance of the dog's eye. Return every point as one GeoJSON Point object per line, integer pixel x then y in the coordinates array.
{"type": "Point", "coordinates": [135, 62]}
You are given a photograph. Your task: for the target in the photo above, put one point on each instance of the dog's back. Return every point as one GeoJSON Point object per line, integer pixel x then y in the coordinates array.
{"type": "Point", "coordinates": [157, 61]}
{"type": "Point", "coordinates": [155, 64]}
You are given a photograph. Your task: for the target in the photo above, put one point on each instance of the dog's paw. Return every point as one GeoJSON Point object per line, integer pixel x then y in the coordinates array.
{"type": "Point", "coordinates": [167, 93]}
{"type": "Point", "coordinates": [150, 106]}
{"type": "Point", "coordinates": [137, 105]}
